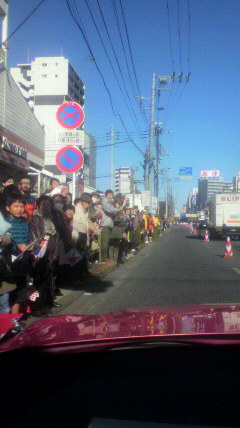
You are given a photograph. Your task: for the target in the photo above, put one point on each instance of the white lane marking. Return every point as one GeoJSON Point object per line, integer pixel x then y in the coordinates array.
{"type": "Point", "coordinates": [236, 270]}
{"type": "Point", "coordinates": [87, 294]}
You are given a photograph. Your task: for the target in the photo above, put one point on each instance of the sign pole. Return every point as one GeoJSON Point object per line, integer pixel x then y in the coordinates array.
{"type": "Point", "coordinates": [73, 187]}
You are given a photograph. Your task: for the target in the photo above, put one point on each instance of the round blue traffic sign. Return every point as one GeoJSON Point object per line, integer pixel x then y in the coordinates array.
{"type": "Point", "coordinates": [70, 115]}
{"type": "Point", "coordinates": [69, 160]}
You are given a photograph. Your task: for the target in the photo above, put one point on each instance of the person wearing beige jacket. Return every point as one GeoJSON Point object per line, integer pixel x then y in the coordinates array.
{"type": "Point", "coordinates": [81, 226]}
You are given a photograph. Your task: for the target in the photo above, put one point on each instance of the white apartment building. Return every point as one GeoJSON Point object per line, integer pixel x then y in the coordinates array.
{"type": "Point", "coordinates": [124, 180]}
{"type": "Point", "coordinates": [47, 83]}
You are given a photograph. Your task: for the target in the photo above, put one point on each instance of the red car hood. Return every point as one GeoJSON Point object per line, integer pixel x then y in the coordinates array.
{"type": "Point", "coordinates": [128, 326]}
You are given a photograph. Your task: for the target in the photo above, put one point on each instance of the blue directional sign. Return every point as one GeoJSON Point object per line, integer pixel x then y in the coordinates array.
{"type": "Point", "coordinates": [185, 173]}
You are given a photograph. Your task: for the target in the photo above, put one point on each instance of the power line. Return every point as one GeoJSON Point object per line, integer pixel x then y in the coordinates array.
{"type": "Point", "coordinates": [179, 35]}
{"type": "Point", "coordinates": [116, 58]}
{"type": "Point", "coordinates": [123, 47]}
{"type": "Point", "coordinates": [24, 21]}
{"type": "Point", "coordinates": [92, 55]}
{"type": "Point", "coordinates": [110, 62]}
{"type": "Point", "coordinates": [189, 35]}
{"type": "Point", "coordinates": [131, 56]}
{"type": "Point", "coordinates": [170, 39]}
{"type": "Point", "coordinates": [177, 101]}
{"type": "Point", "coordinates": [105, 85]}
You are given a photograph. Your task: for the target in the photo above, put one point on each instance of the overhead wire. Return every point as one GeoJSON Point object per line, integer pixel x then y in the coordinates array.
{"type": "Point", "coordinates": [123, 47]}
{"type": "Point", "coordinates": [105, 85]}
{"type": "Point", "coordinates": [111, 65]}
{"type": "Point", "coordinates": [189, 34]}
{"type": "Point", "coordinates": [170, 38]}
{"type": "Point", "coordinates": [115, 55]}
{"type": "Point", "coordinates": [132, 61]}
{"type": "Point", "coordinates": [24, 21]}
{"type": "Point", "coordinates": [179, 35]}
{"type": "Point", "coordinates": [92, 55]}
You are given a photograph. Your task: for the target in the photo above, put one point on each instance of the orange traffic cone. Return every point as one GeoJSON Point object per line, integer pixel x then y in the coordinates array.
{"type": "Point", "coordinates": [228, 248]}
{"type": "Point", "coordinates": [206, 239]}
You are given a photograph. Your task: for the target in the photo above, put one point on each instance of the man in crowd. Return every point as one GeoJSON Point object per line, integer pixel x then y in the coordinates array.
{"type": "Point", "coordinates": [55, 187]}
{"type": "Point", "coordinates": [108, 214]}
{"type": "Point", "coordinates": [30, 202]}
{"type": "Point", "coordinates": [64, 190]}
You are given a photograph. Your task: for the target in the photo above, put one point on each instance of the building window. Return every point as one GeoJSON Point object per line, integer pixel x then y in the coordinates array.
{"type": "Point", "coordinates": [44, 76]}
{"type": "Point", "coordinates": [44, 64]}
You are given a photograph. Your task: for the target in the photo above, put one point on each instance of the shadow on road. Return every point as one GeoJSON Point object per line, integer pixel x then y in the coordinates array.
{"type": "Point", "coordinates": [91, 284]}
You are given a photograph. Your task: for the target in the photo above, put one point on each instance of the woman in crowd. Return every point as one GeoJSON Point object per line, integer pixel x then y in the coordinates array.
{"type": "Point", "coordinates": [46, 223]}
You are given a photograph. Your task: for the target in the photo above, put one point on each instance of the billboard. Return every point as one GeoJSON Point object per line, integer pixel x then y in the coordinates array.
{"type": "Point", "coordinates": [210, 174]}
{"type": "Point", "coordinates": [185, 173]}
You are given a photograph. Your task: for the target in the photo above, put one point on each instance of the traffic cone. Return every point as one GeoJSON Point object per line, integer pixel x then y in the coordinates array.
{"type": "Point", "coordinates": [206, 239]}
{"type": "Point", "coordinates": [228, 248]}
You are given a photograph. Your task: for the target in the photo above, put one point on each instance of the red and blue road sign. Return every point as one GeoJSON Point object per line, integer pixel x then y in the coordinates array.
{"type": "Point", "coordinates": [70, 115]}
{"type": "Point", "coordinates": [69, 160]}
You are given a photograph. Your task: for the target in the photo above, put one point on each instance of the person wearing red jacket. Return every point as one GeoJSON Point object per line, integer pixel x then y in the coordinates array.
{"type": "Point", "coordinates": [24, 186]}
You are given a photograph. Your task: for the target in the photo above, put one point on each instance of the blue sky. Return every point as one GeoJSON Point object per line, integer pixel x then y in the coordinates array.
{"type": "Point", "coordinates": [205, 122]}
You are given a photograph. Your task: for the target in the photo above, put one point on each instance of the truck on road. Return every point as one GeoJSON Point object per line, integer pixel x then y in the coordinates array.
{"type": "Point", "coordinates": [224, 215]}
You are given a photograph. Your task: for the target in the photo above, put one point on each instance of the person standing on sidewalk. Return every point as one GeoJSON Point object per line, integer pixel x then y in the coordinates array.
{"type": "Point", "coordinates": [108, 214]}
{"type": "Point", "coordinates": [25, 190]}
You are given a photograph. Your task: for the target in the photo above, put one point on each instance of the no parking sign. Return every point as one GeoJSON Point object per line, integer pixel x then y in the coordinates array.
{"type": "Point", "coordinates": [69, 160]}
{"type": "Point", "coordinates": [70, 115]}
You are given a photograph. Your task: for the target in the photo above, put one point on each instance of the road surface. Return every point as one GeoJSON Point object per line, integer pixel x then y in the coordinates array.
{"type": "Point", "coordinates": [175, 269]}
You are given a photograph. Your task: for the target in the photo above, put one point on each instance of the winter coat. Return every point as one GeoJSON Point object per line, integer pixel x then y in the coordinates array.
{"type": "Point", "coordinates": [80, 222]}
{"type": "Point", "coordinates": [40, 226]}
{"type": "Point", "coordinates": [19, 232]}
{"type": "Point", "coordinates": [108, 213]}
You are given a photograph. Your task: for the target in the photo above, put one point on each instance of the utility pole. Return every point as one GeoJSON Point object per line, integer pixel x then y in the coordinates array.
{"type": "Point", "coordinates": [112, 158]}
{"type": "Point", "coordinates": [166, 198]}
{"type": "Point", "coordinates": [151, 138]}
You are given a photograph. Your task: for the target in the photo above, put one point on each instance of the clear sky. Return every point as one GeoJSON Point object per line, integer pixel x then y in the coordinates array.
{"type": "Point", "coordinates": [204, 121]}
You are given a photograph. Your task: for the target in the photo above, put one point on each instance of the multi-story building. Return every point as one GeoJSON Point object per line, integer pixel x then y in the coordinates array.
{"type": "Point", "coordinates": [47, 83]}
{"type": "Point", "coordinates": [210, 186]}
{"type": "Point", "coordinates": [192, 200]}
{"type": "Point", "coordinates": [21, 134]}
{"type": "Point", "coordinates": [236, 183]}
{"type": "Point", "coordinates": [124, 180]}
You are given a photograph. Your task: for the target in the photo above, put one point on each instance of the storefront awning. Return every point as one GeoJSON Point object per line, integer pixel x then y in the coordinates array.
{"type": "Point", "coordinates": [12, 160]}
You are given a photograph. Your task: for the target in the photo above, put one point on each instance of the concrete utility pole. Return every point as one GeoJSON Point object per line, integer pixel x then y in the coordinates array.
{"type": "Point", "coordinates": [112, 181]}
{"type": "Point", "coordinates": [151, 137]}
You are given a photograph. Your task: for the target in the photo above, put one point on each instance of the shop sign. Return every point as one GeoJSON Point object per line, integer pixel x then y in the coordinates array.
{"type": "Point", "coordinates": [12, 148]}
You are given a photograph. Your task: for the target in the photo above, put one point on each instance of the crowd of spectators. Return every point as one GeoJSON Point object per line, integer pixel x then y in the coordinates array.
{"type": "Point", "coordinates": [49, 242]}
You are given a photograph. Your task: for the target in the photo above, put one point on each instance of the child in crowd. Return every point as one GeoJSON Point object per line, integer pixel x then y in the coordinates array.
{"type": "Point", "coordinates": [15, 206]}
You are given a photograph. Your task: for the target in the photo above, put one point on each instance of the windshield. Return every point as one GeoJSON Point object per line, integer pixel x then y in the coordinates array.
{"type": "Point", "coordinates": [119, 167]}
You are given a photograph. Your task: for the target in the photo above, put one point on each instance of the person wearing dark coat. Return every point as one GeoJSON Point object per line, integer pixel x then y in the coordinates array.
{"type": "Point", "coordinates": [48, 222]}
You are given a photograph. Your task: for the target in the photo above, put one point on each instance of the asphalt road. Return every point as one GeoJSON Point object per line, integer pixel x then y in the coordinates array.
{"type": "Point", "coordinates": [176, 269]}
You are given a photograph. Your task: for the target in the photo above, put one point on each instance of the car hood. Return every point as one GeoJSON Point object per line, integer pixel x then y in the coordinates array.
{"type": "Point", "coordinates": [130, 324]}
